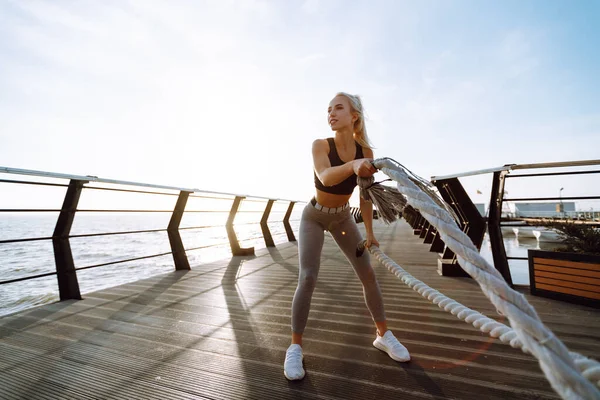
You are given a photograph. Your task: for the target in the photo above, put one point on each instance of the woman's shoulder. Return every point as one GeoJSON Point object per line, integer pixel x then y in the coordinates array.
{"type": "Point", "coordinates": [367, 152]}
{"type": "Point", "coordinates": [321, 144]}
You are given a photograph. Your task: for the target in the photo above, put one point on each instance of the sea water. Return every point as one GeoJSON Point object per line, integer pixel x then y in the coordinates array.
{"type": "Point", "coordinates": [37, 257]}
{"type": "Point", "coordinates": [30, 258]}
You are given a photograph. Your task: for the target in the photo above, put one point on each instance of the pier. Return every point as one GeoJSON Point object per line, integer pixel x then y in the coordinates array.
{"type": "Point", "coordinates": [220, 331]}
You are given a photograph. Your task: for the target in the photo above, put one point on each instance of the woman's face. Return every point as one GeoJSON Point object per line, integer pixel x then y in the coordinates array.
{"type": "Point", "coordinates": [339, 114]}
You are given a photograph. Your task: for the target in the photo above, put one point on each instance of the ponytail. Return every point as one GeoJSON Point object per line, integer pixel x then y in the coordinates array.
{"type": "Point", "coordinates": [360, 129]}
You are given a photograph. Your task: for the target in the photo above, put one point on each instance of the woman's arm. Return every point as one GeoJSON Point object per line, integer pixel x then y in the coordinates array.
{"type": "Point", "coordinates": [366, 210]}
{"type": "Point", "coordinates": [329, 175]}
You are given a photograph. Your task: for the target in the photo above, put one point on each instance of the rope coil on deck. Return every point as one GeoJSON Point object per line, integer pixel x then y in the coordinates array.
{"type": "Point", "coordinates": [561, 367]}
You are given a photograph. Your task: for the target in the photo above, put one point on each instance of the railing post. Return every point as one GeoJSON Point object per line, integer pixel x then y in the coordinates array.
{"type": "Point", "coordinates": [286, 222]}
{"type": "Point", "coordinates": [410, 215]}
{"type": "Point", "coordinates": [470, 222]}
{"type": "Point", "coordinates": [424, 229]}
{"type": "Point", "coordinates": [430, 234]}
{"type": "Point", "coordinates": [236, 250]}
{"type": "Point", "coordinates": [68, 286]}
{"type": "Point", "coordinates": [177, 249]}
{"type": "Point", "coordinates": [437, 244]}
{"type": "Point", "coordinates": [265, 228]}
{"type": "Point", "coordinates": [356, 214]}
{"type": "Point", "coordinates": [494, 230]}
{"type": "Point", "coordinates": [419, 225]}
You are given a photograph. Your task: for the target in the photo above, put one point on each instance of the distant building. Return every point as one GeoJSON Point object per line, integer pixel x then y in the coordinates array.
{"type": "Point", "coordinates": [553, 209]}
{"type": "Point", "coordinates": [541, 210]}
{"type": "Point", "coordinates": [508, 209]}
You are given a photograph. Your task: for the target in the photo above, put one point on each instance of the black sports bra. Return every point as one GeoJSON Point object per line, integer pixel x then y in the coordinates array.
{"type": "Point", "coordinates": [347, 185]}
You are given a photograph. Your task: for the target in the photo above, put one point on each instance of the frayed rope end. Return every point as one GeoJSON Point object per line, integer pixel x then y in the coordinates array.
{"type": "Point", "coordinates": [388, 200]}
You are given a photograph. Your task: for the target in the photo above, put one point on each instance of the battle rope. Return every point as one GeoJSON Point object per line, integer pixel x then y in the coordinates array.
{"type": "Point", "coordinates": [560, 366]}
{"type": "Point", "coordinates": [589, 368]}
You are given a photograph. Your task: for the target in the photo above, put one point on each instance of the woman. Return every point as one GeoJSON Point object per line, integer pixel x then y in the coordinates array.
{"type": "Point", "coordinates": [335, 180]}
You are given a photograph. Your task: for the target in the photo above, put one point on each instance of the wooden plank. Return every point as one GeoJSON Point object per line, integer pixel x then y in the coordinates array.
{"type": "Point", "coordinates": [57, 378]}
{"type": "Point", "coordinates": [567, 271]}
{"type": "Point", "coordinates": [221, 331]}
{"type": "Point", "coordinates": [567, 277]}
{"type": "Point", "coordinates": [565, 263]}
{"type": "Point", "coordinates": [563, 283]}
{"type": "Point", "coordinates": [574, 292]}
{"type": "Point", "coordinates": [151, 342]}
{"type": "Point", "coordinates": [24, 385]}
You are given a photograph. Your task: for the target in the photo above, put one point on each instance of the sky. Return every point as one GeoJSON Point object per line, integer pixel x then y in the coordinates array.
{"type": "Point", "coordinates": [229, 95]}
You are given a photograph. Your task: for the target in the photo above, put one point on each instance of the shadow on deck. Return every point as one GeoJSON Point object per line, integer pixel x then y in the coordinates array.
{"type": "Point", "coordinates": [221, 331]}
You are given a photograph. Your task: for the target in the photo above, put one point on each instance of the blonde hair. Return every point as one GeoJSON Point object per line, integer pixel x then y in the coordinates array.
{"type": "Point", "coordinates": [360, 129]}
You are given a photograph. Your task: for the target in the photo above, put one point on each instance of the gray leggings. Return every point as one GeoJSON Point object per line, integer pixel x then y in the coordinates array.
{"type": "Point", "coordinates": [310, 243]}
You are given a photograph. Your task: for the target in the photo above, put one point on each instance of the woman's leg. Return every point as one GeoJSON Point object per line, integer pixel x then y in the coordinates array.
{"type": "Point", "coordinates": [347, 237]}
{"type": "Point", "coordinates": [310, 245]}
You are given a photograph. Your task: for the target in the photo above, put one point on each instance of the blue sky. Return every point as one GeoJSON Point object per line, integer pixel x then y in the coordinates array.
{"type": "Point", "coordinates": [229, 95]}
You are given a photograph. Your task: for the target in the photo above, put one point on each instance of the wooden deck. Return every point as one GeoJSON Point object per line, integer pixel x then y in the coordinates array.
{"type": "Point", "coordinates": [221, 330]}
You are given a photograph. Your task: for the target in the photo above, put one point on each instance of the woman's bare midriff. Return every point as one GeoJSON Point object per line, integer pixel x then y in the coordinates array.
{"type": "Point", "coordinates": [332, 200]}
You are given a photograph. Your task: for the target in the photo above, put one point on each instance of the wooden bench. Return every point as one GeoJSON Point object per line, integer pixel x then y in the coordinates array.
{"type": "Point", "coordinates": [565, 276]}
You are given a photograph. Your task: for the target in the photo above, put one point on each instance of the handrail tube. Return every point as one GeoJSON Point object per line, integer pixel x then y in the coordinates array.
{"type": "Point", "coordinates": [559, 164]}
{"type": "Point", "coordinates": [510, 167]}
{"type": "Point", "coordinates": [197, 196]}
{"type": "Point", "coordinates": [33, 183]}
{"type": "Point", "coordinates": [66, 271]}
{"type": "Point", "coordinates": [192, 193]}
{"type": "Point", "coordinates": [29, 210]}
{"type": "Point", "coordinates": [471, 173]}
{"type": "Point", "coordinates": [131, 191]}
{"type": "Point", "coordinates": [119, 211]}
{"type": "Point", "coordinates": [122, 261]}
{"type": "Point", "coordinates": [254, 223]}
{"type": "Point", "coordinates": [95, 234]}
{"type": "Point", "coordinates": [202, 227]}
{"type": "Point", "coordinates": [124, 211]}
{"type": "Point", "coordinates": [554, 174]}
{"type": "Point", "coordinates": [251, 239]}
{"type": "Point", "coordinates": [91, 178]}
{"type": "Point", "coordinates": [25, 278]}
{"type": "Point", "coordinates": [555, 198]}
{"type": "Point", "coordinates": [206, 247]}
{"type": "Point", "coordinates": [25, 240]}
{"type": "Point", "coordinates": [262, 200]}
{"type": "Point", "coordinates": [116, 233]}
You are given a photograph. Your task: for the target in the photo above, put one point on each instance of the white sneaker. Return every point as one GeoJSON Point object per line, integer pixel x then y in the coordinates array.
{"type": "Point", "coordinates": [392, 346]}
{"type": "Point", "coordinates": [292, 368]}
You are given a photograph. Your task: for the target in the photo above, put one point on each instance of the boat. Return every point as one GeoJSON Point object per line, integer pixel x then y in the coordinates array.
{"type": "Point", "coordinates": [547, 235]}
{"type": "Point", "coordinates": [540, 233]}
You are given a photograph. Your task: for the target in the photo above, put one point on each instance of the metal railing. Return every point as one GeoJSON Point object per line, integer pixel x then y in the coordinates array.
{"type": "Point", "coordinates": [66, 270]}
{"type": "Point", "coordinates": [474, 224]}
